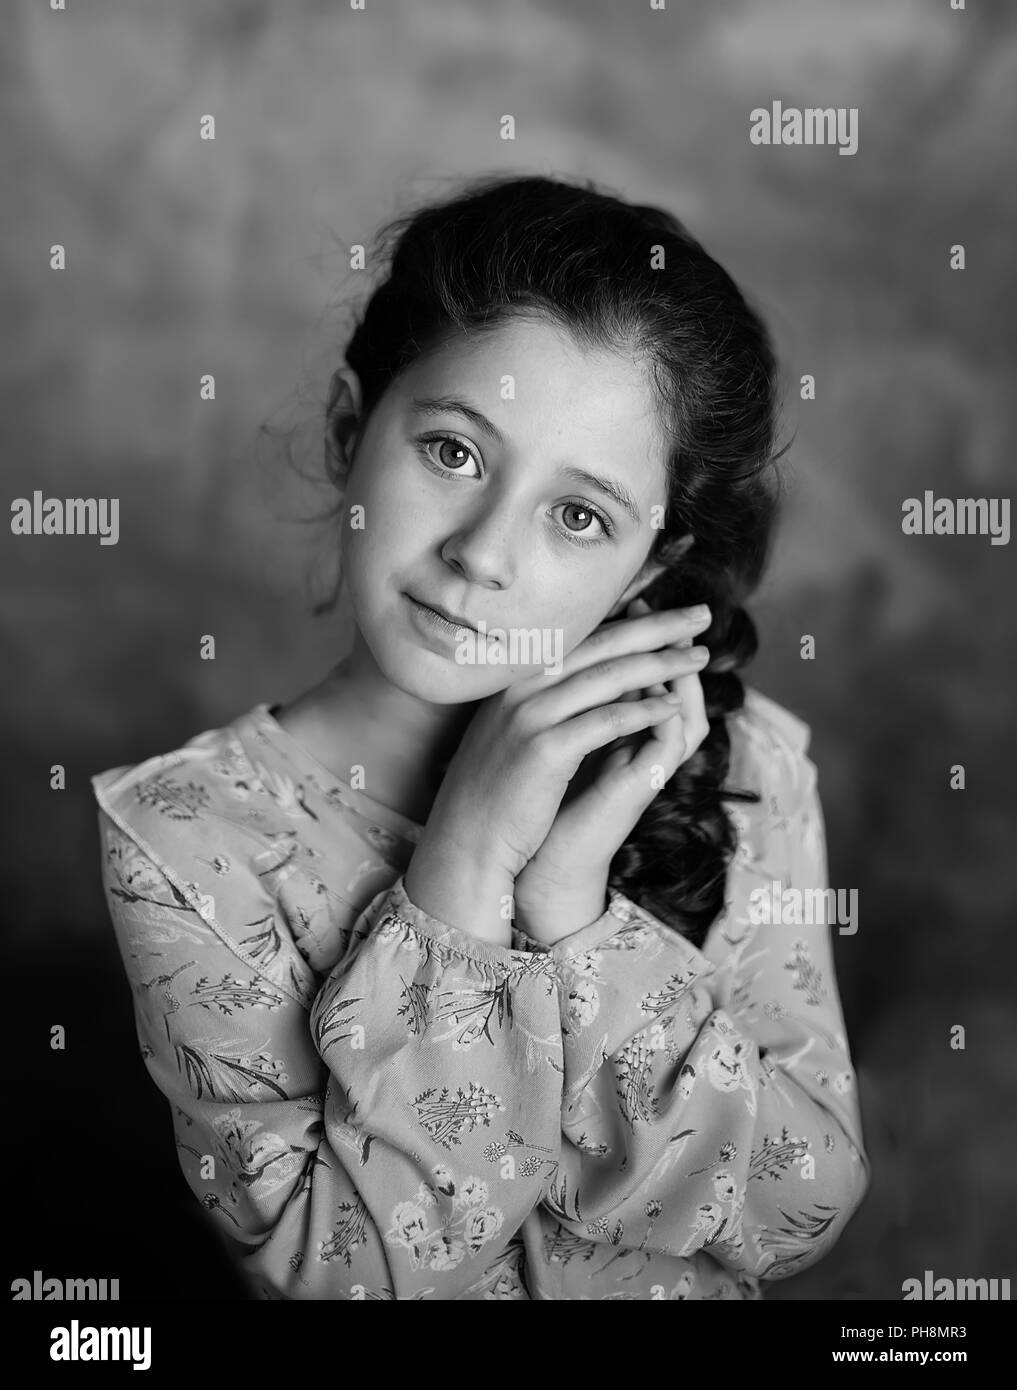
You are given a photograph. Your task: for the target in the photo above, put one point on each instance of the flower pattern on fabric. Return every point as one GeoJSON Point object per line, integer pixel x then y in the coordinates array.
{"type": "Point", "coordinates": [468, 1222]}
{"type": "Point", "coordinates": [369, 1103]}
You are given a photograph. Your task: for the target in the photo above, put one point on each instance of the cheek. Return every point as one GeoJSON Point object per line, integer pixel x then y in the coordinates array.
{"type": "Point", "coordinates": [578, 613]}
{"type": "Point", "coordinates": [384, 481]}
{"type": "Point", "coordinates": [367, 571]}
{"type": "Point", "coordinates": [382, 501]}
{"type": "Point", "coordinates": [379, 519]}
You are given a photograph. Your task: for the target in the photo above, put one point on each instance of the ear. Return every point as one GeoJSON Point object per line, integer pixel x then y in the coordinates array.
{"type": "Point", "coordinates": [342, 418]}
{"type": "Point", "coordinates": [634, 588]}
{"type": "Point", "coordinates": [651, 570]}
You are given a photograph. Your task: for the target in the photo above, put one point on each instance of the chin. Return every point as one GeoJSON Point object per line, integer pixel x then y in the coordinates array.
{"type": "Point", "coordinates": [439, 680]}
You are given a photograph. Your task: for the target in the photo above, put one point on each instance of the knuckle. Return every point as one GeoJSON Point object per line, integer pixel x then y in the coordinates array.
{"type": "Point", "coordinates": [601, 670]}
{"type": "Point", "coordinates": [540, 743]}
{"type": "Point", "coordinates": [615, 716]}
{"type": "Point", "coordinates": [523, 722]}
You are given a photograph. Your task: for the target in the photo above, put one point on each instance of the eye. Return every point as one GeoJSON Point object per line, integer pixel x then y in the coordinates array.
{"type": "Point", "coordinates": [585, 513]}
{"type": "Point", "coordinates": [448, 466]}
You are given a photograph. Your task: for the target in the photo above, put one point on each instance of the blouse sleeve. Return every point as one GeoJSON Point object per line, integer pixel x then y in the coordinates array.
{"type": "Point", "coordinates": [353, 1148]}
{"type": "Point", "coordinates": [710, 1105]}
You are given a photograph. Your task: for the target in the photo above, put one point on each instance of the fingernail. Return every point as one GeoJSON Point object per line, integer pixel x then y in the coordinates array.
{"type": "Point", "coordinates": [673, 698]}
{"type": "Point", "coordinates": [701, 610]}
{"type": "Point", "coordinates": [700, 654]}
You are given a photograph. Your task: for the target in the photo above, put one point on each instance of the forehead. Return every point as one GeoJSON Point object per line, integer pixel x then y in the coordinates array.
{"type": "Point", "coordinates": [587, 403]}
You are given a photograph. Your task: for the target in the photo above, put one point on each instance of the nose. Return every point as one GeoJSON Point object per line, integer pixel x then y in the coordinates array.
{"type": "Point", "coordinates": [481, 550]}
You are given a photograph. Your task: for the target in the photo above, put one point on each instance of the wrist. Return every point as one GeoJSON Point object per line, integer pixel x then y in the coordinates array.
{"type": "Point", "coordinates": [453, 882]}
{"type": "Point", "coordinates": [550, 916]}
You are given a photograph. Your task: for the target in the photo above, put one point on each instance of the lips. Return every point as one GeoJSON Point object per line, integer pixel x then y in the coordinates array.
{"type": "Point", "coordinates": [444, 613]}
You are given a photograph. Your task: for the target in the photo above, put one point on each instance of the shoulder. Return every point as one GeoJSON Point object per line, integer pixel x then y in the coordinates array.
{"type": "Point", "coordinates": [779, 837]}
{"type": "Point", "coordinates": [769, 754]}
{"type": "Point", "coordinates": [191, 833]}
{"type": "Point", "coordinates": [210, 777]}
{"type": "Point", "coordinates": [763, 716]}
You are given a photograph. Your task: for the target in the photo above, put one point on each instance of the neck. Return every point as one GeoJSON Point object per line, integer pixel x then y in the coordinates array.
{"type": "Point", "coordinates": [430, 732]}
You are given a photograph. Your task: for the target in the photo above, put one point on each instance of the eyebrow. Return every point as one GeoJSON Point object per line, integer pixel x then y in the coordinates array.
{"type": "Point", "coordinates": [444, 405]}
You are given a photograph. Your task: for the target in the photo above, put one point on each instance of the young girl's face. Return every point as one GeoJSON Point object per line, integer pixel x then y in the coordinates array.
{"type": "Point", "coordinates": [483, 520]}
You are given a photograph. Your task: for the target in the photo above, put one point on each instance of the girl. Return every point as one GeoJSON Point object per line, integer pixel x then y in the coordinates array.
{"type": "Point", "coordinates": [459, 976]}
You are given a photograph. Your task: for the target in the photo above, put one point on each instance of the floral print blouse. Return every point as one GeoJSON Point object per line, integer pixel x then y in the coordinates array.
{"type": "Point", "coordinates": [372, 1104]}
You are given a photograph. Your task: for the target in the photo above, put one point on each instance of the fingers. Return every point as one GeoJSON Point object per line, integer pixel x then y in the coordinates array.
{"type": "Point", "coordinates": [644, 764]}
{"type": "Point", "coordinates": [693, 708]}
{"type": "Point", "coordinates": [622, 676]}
{"type": "Point", "coordinates": [606, 683]}
{"type": "Point", "coordinates": [675, 742]}
{"type": "Point", "coordinates": [576, 737]}
{"type": "Point", "coordinates": [676, 731]}
{"type": "Point", "coordinates": [649, 631]}
{"type": "Point", "coordinates": [641, 634]}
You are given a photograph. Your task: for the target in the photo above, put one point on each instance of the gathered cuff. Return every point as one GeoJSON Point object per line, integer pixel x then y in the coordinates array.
{"type": "Point", "coordinates": [621, 915]}
{"type": "Point", "coordinates": [442, 936]}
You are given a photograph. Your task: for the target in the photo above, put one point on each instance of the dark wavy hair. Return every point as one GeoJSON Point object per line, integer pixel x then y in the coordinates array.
{"type": "Point", "coordinates": [630, 278]}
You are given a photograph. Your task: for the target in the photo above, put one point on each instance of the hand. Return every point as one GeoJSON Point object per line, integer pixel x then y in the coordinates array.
{"type": "Point", "coordinates": [563, 888]}
{"type": "Point", "coordinates": [522, 748]}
